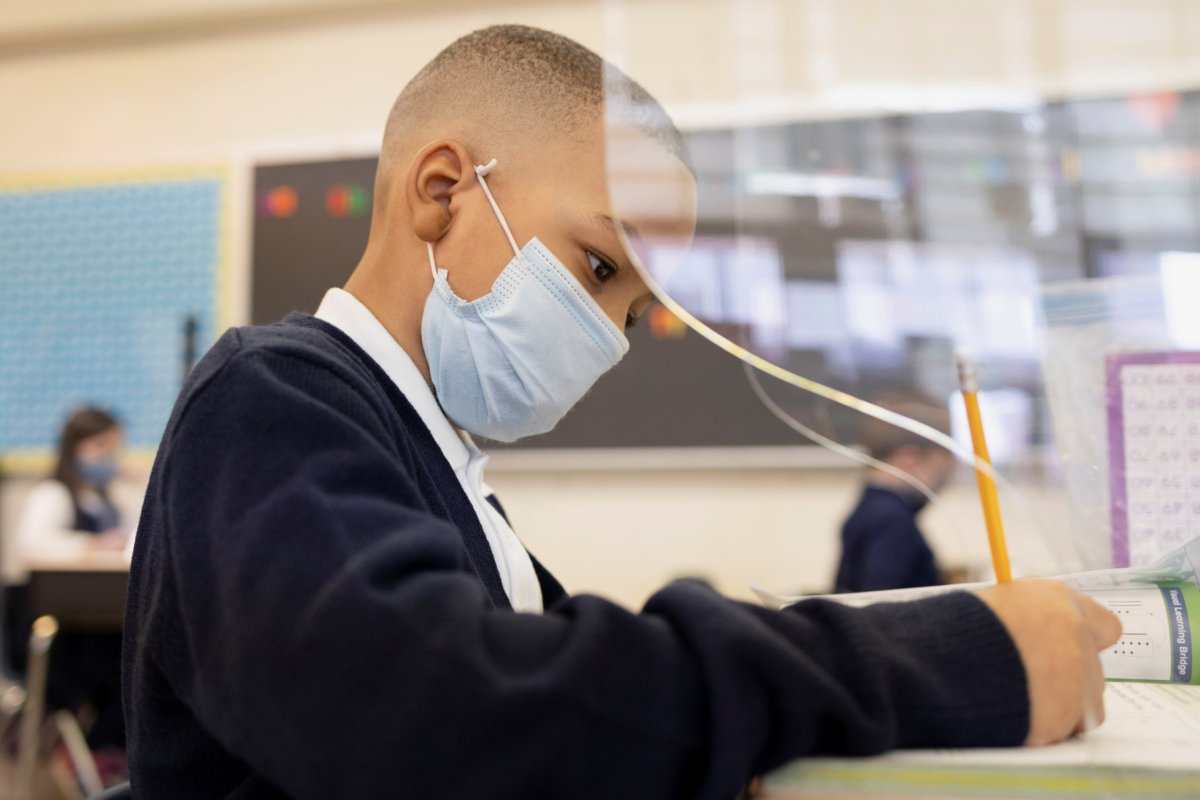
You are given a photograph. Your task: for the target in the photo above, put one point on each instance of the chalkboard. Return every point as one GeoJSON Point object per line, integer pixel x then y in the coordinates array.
{"type": "Point", "coordinates": [673, 389]}
{"type": "Point", "coordinates": [311, 222]}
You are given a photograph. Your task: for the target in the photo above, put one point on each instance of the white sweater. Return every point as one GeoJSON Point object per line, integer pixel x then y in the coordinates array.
{"type": "Point", "coordinates": [44, 527]}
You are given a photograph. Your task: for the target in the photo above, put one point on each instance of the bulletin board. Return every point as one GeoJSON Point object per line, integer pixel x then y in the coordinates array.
{"type": "Point", "coordinates": [673, 389]}
{"type": "Point", "coordinates": [102, 277]}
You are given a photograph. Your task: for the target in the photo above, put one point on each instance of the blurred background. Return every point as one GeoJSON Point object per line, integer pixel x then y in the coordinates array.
{"type": "Point", "coordinates": [170, 169]}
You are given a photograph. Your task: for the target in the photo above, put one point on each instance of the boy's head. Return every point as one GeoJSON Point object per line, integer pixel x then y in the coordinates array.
{"type": "Point", "coordinates": [582, 152]}
{"type": "Point", "coordinates": [549, 111]}
{"type": "Point", "coordinates": [929, 463]}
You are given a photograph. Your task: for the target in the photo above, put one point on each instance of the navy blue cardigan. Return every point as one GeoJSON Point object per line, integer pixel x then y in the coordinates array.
{"type": "Point", "coordinates": [314, 613]}
{"type": "Point", "coordinates": [882, 547]}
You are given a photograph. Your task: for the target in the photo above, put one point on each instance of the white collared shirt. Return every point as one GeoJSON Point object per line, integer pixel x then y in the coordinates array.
{"type": "Point", "coordinates": [344, 311]}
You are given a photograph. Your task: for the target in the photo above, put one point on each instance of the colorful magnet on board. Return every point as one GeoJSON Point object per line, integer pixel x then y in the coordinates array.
{"type": "Point", "coordinates": [344, 200]}
{"type": "Point", "coordinates": [280, 201]}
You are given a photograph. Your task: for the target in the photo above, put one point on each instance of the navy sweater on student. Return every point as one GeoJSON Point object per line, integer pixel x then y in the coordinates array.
{"type": "Point", "coordinates": [314, 613]}
{"type": "Point", "coordinates": [882, 547]}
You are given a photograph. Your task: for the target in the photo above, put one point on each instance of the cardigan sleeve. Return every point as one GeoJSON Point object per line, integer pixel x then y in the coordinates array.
{"type": "Point", "coordinates": [332, 638]}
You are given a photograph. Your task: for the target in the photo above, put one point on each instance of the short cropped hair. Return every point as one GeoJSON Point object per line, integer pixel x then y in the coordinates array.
{"type": "Point", "coordinates": [882, 439]}
{"type": "Point", "coordinates": [518, 83]}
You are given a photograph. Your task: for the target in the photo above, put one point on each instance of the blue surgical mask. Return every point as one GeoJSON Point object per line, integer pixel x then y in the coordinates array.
{"type": "Point", "coordinates": [98, 472]}
{"type": "Point", "coordinates": [513, 363]}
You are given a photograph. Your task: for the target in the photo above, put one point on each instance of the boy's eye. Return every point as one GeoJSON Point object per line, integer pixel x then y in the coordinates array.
{"type": "Point", "coordinates": [602, 268]}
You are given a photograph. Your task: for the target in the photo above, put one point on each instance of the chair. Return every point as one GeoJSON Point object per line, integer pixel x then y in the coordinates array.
{"type": "Point", "coordinates": [33, 721]}
{"type": "Point", "coordinates": [12, 693]}
{"type": "Point", "coordinates": [118, 792]}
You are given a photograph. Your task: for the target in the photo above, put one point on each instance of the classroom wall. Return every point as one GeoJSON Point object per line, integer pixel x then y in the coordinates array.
{"type": "Point", "coordinates": [127, 82]}
{"type": "Point", "coordinates": [130, 83]}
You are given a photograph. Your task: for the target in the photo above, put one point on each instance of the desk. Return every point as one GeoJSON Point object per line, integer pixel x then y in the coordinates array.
{"type": "Point", "coordinates": [1149, 747]}
{"type": "Point", "coordinates": [84, 593]}
{"type": "Point", "coordinates": [877, 779]}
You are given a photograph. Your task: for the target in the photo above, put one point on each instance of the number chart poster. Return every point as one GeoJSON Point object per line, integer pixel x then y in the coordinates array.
{"type": "Point", "coordinates": [1154, 453]}
{"type": "Point", "coordinates": [103, 284]}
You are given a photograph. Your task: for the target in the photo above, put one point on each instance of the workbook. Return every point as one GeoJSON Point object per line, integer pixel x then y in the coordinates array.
{"type": "Point", "coordinates": [1147, 747]}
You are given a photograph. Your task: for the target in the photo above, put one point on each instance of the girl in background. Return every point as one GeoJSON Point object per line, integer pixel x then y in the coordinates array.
{"type": "Point", "coordinates": [72, 515]}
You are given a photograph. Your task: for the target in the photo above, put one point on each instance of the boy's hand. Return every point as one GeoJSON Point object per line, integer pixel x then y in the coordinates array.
{"type": "Point", "coordinates": [1059, 634]}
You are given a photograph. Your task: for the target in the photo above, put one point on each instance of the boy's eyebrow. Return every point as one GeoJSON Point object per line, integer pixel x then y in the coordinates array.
{"type": "Point", "coordinates": [611, 223]}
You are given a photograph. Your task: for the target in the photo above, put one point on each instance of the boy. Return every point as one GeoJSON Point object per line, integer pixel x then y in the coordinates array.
{"type": "Point", "coordinates": [326, 603]}
{"type": "Point", "coordinates": [882, 547]}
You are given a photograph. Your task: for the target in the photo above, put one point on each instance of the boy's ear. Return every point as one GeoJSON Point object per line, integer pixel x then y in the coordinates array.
{"type": "Point", "coordinates": [440, 170]}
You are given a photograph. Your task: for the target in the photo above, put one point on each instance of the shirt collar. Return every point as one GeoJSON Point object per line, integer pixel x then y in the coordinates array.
{"type": "Point", "coordinates": [345, 312]}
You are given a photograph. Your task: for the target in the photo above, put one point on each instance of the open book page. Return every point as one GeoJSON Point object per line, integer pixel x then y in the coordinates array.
{"type": "Point", "coordinates": [1150, 726]}
{"type": "Point", "coordinates": [1148, 747]}
{"type": "Point", "coordinates": [1158, 605]}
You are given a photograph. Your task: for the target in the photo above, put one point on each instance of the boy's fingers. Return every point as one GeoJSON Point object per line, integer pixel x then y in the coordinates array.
{"type": "Point", "coordinates": [1093, 692]}
{"type": "Point", "coordinates": [1102, 623]}
{"type": "Point", "coordinates": [1102, 630]}
{"type": "Point", "coordinates": [1096, 718]}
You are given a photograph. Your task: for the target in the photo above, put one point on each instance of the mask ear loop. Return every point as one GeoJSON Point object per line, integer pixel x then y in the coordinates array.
{"type": "Point", "coordinates": [480, 171]}
{"type": "Point", "coordinates": [432, 264]}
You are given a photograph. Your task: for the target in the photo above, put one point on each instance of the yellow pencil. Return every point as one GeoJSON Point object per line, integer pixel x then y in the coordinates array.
{"type": "Point", "coordinates": [969, 384]}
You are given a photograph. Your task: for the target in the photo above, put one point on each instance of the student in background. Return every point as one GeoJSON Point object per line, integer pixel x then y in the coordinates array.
{"type": "Point", "coordinates": [882, 547]}
{"type": "Point", "coordinates": [73, 514]}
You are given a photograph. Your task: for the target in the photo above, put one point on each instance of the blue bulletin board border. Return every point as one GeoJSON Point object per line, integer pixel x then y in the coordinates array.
{"type": "Point", "coordinates": [97, 272]}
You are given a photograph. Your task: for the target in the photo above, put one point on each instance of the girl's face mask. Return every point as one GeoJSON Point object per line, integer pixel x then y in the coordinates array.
{"type": "Point", "coordinates": [98, 472]}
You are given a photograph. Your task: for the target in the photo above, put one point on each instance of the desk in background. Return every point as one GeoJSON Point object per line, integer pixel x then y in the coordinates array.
{"type": "Point", "coordinates": [85, 593]}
